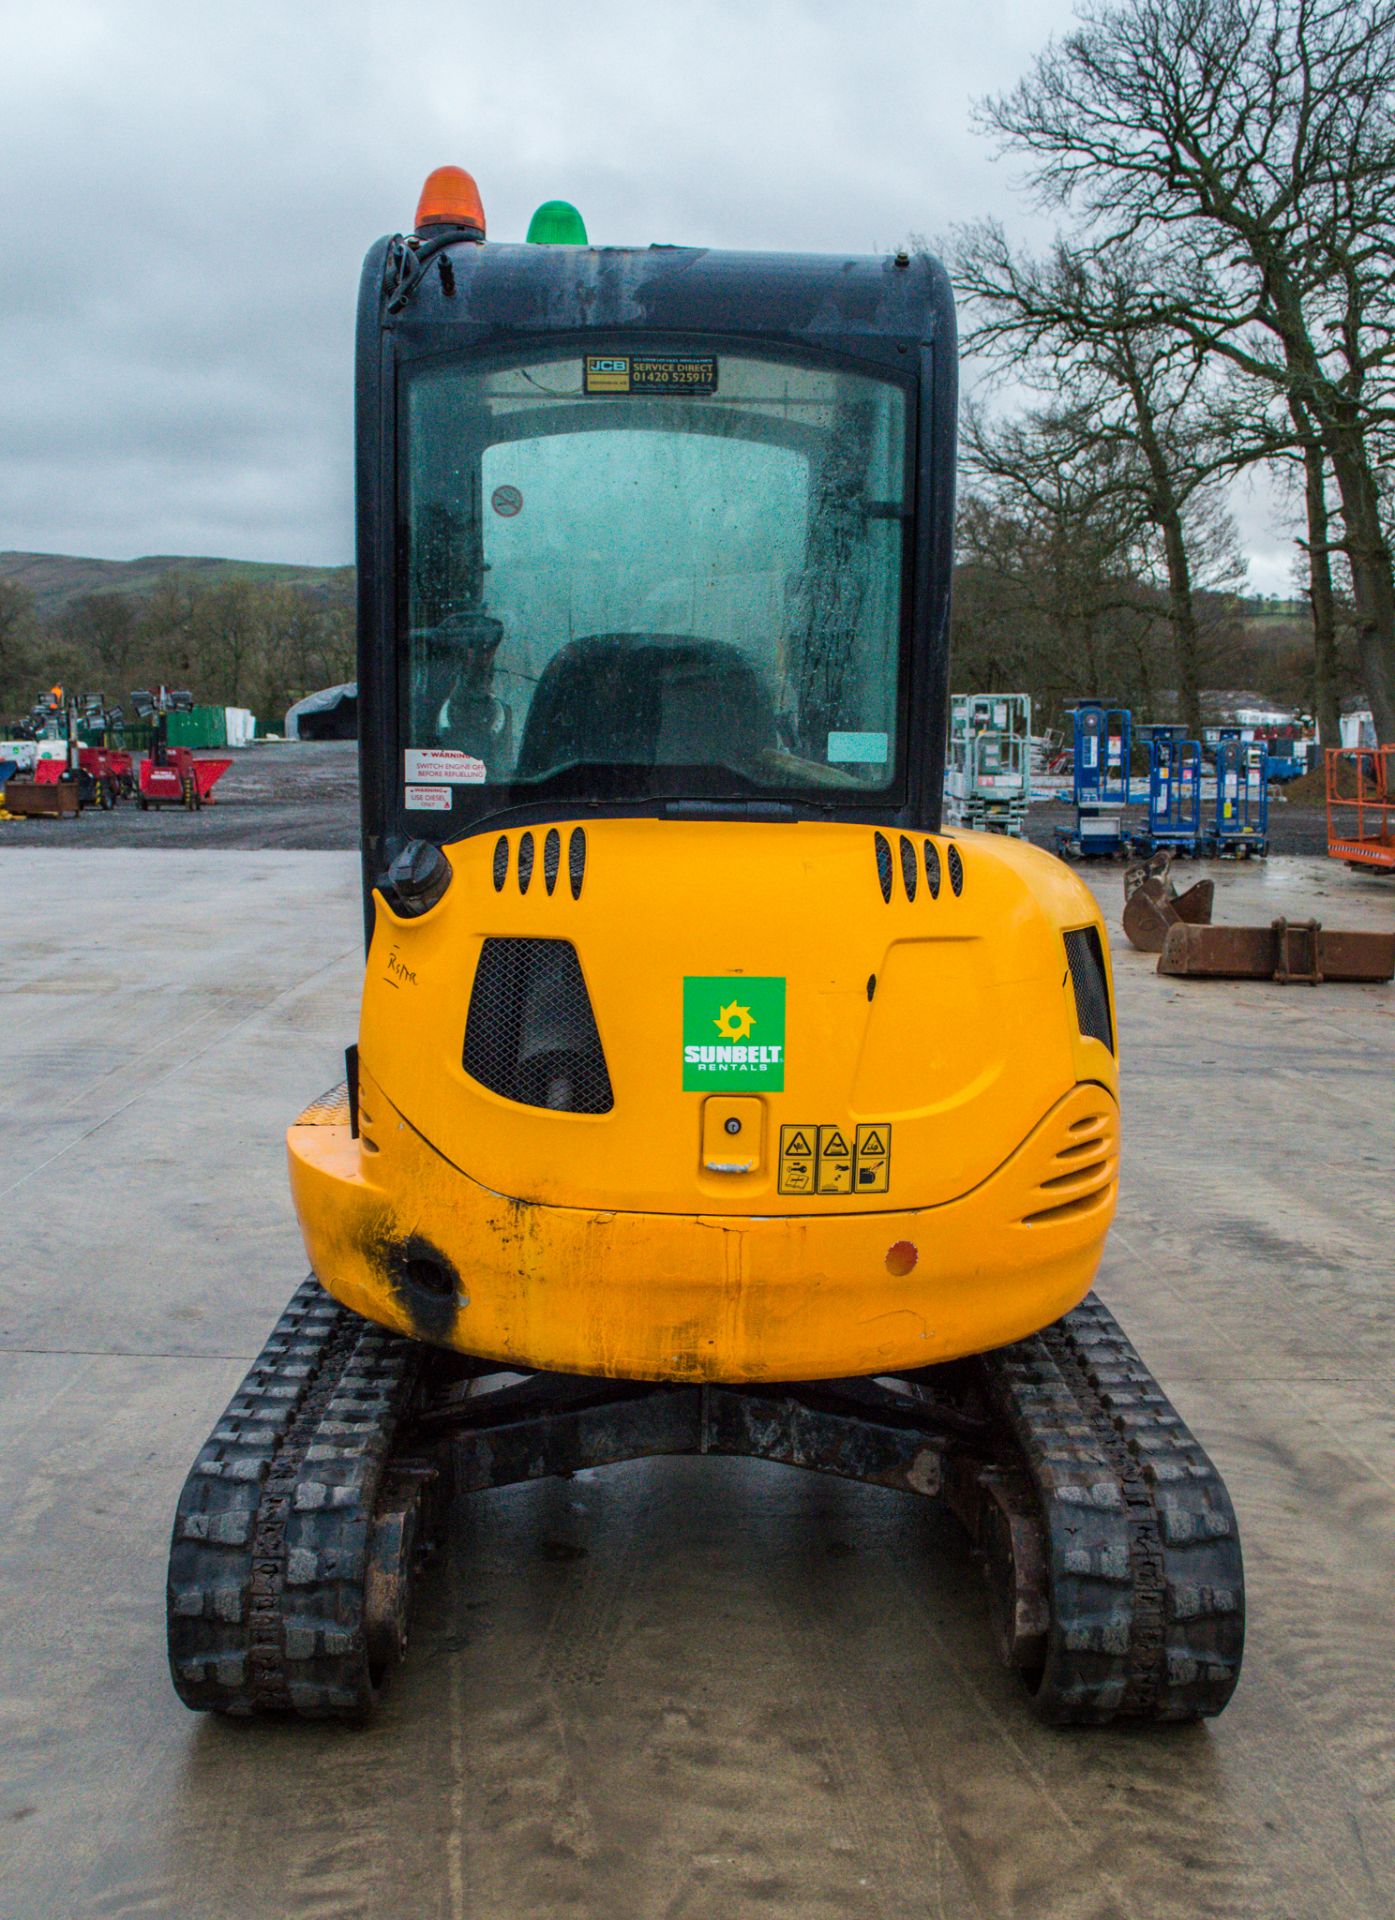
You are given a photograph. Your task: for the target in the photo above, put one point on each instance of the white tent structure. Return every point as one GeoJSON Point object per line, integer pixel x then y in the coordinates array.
{"type": "Point", "coordinates": [330, 714]}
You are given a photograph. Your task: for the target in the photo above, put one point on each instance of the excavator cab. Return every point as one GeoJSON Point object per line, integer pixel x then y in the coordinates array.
{"type": "Point", "coordinates": [707, 1095]}
{"type": "Point", "coordinates": [650, 532]}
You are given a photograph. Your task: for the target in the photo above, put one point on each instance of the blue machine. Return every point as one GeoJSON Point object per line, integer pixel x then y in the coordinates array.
{"type": "Point", "coordinates": [1174, 791]}
{"type": "Point", "coordinates": [1241, 824]}
{"type": "Point", "coordinates": [1103, 741]}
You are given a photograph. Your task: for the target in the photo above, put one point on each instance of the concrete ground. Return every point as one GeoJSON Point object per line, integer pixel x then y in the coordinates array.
{"type": "Point", "coordinates": [678, 1690]}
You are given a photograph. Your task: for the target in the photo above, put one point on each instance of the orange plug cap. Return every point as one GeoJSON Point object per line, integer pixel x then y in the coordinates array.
{"type": "Point", "coordinates": [450, 198]}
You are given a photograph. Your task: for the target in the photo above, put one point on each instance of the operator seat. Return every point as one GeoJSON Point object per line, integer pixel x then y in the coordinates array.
{"type": "Point", "coordinates": [646, 699]}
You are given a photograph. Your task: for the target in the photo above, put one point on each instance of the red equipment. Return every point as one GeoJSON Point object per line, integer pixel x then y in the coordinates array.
{"type": "Point", "coordinates": [180, 781]}
{"type": "Point", "coordinates": [1361, 806]}
{"type": "Point", "coordinates": [111, 773]}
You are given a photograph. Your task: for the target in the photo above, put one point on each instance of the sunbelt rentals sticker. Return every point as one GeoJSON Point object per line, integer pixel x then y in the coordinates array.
{"type": "Point", "coordinates": [733, 1034]}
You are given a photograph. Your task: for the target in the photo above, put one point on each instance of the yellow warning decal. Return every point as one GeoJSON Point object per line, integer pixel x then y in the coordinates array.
{"type": "Point", "coordinates": [873, 1159]}
{"type": "Point", "coordinates": [835, 1159]}
{"type": "Point", "coordinates": [798, 1153]}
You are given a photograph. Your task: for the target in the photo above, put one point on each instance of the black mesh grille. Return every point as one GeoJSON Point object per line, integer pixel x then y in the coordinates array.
{"type": "Point", "coordinates": [956, 870]}
{"type": "Point", "coordinates": [552, 857]}
{"type": "Point", "coordinates": [576, 860]}
{"type": "Point", "coordinates": [1086, 962]}
{"type": "Point", "coordinates": [932, 869]}
{"type": "Point", "coordinates": [501, 862]}
{"type": "Point", "coordinates": [909, 871]}
{"type": "Point", "coordinates": [525, 862]}
{"type": "Point", "coordinates": [530, 1034]}
{"type": "Point", "coordinates": [883, 865]}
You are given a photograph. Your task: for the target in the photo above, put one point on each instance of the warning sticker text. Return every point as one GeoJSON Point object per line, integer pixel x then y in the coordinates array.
{"type": "Point", "coordinates": [427, 800]}
{"type": "Point", "coordinates": [835, 1159]}
{"type": "Point", "coordinates": [444, 766]}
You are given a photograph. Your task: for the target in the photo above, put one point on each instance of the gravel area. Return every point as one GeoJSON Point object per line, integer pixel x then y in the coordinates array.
{"type": "Point", "coordinates": [304, 794]}
{"type": "Point", "coordinates": [278, 794]}
{"type": "Point", "coordinates": [1294, 826]}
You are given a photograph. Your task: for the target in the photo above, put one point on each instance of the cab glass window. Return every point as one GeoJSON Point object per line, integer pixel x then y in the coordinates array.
{"type": "Point", "coordinates": [665, 573]}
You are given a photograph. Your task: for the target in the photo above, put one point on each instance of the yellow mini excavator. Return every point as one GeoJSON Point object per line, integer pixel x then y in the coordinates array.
{"type": "Point", "coordinates": [708, 1096]}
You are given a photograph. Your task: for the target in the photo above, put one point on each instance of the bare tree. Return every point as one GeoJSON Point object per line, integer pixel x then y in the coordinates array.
{"type": "Point", "coordinates": [167, 628]}
{"type": "Point", "coordinates": [1048, 594]}
{"type": "Point", "coordinates": [1078, 323]}
{"type": "Point", "coordinates": [104, 628]}
{"type": "Point", "coordinates": [1249, 146]}
{"type": "Point", "coordinates": [17, 645]}
{"type": "Point", "coordinates": [1321, 598]}
{"type": "Point", "coordinates": [301, 645]}
{"type": "Point", "coordinates": [238, 640]}
{"type": "Point", "coordinates": [225, 628]}
{"type": "Point", "coordinates": [1257, 425]}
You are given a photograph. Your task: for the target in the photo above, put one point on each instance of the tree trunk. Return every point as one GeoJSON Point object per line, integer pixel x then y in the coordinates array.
{"type": "Point", "coordinates": [1181, 609]}
{"type": "Point", "coordinates": [1182, 614]}
{"type": "Point", "coordinates": [1343, 435]}
{"type": "Point", "coordinates": [1372, 587]}
{"type": "Point", "coordinates": [1319, 582]}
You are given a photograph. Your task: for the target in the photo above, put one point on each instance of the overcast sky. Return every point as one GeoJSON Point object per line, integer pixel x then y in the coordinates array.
{"type": "Point", "coordinates": [189, 190]}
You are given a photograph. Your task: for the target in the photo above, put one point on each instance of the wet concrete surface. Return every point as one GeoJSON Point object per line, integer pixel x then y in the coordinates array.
{"type": "Point", "coordinates": [701, 1690]}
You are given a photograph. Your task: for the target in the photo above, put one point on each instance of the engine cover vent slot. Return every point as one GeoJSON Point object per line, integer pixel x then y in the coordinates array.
{"type": "Point", "coordinates": [883, 866]}
{"type": "Point", "coordinates": [530, 1034]}
{"type": "Point", "coordinates": [956, 870]}
{"type": "Point", "coordinates": [910, 872]}
{"type": "Point", "coordinates": [501, 862]}
{"type": "Point", "coordinates": [1085, 958]}
{"type": "Point", "coordinates": [552, 858]}
{"type": "Point", "coordinates": [1086, 1203]}
{"type": "Point", "coordinates": [576, 860]}
{"type": "Point", "coordinates": [525, 862]}
{"type": "Point", "coordinates": [1080, 1177]}
{"type": "Point", "coordinates": [932, 869]}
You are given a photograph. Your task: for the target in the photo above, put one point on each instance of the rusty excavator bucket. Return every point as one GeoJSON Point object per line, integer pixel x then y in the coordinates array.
{"type": "Point", "coordinates": [1152, 905]}
{"type": "Point", "coordinates": [1286, 950]}
{"type": "Point", "coordinates": [1177, 927]}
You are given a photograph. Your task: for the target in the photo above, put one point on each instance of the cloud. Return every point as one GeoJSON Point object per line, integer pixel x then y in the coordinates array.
{"type": "Point", "coordinates": [190, 189]}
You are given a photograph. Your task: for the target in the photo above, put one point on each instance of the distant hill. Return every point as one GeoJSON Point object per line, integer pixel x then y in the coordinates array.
{"type": "Point", "coordinates": [57, 579]}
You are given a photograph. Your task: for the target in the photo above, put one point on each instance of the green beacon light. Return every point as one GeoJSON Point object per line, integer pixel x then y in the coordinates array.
{"type": "Point", "coordinates": [557, 224]}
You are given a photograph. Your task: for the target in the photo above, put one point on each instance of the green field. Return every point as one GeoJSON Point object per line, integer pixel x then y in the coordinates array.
{"type": "Point", "coordinates": [57, 579]}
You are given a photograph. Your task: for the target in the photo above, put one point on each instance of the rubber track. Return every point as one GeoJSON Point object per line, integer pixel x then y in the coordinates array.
{"type": "Point", "coordinates": [1143, 1551]}
{"type": "Point", "coordinates": [271, 1535]}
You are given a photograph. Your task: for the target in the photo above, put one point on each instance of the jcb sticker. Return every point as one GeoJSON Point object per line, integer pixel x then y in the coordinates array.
{"type": "Point", "coordinates": [835, 1159]}
{"type": "Point", "coordinates": [650, 373]}
{"type": "Point", "coordinates": [607, 373]}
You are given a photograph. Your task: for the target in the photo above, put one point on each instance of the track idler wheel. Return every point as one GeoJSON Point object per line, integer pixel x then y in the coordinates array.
{"type": "Point", "coordinates": [403, 1530]}
{"type": "Point", "coordinates": [1110, 1539]}
{"type": "Point", "coordinates": [1014, 1564]}
{"type": "Point", "coordinates": [298, 1530]}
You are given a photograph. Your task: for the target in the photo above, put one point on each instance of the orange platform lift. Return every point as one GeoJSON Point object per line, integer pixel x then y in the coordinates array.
{"type": "Point", "coordinates": [1361, 806]}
